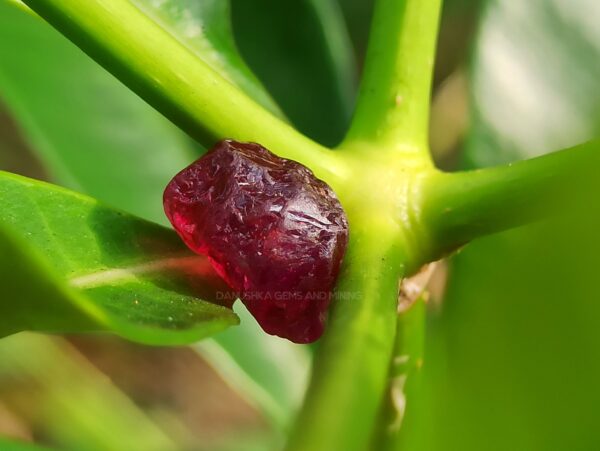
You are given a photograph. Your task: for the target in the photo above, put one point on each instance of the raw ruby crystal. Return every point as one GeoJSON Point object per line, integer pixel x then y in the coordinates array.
{"type": "Point", "coordinates": [271, 229]}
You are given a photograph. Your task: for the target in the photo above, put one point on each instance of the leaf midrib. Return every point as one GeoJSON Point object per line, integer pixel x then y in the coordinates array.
{"type": "Point", "coordinates": [115, 276]}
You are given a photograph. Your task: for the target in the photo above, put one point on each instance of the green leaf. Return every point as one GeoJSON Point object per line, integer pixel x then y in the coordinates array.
{"type": "Point", "coordinates": [512, 361]}
{"type": "Point", "coordinates": [534, 80]}
{"type": "Point", "coordinates": [139, 152]}
{"type": "Point", "coordinates": [94, 268]}
{"type": "Point", "coordinates": [91, 132]}
{"type": "Point", "coordinates": [204, 27]}
{"type": "Point", "coordinates": [358, 15]}
{"type": "Point", "coordinates": [302, 53]}
{"type": "Point", "coordinates": [20, 4]}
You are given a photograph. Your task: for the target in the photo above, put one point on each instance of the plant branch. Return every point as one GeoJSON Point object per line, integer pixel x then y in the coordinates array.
{"type": "Point", "coordinates": [406, 363]}
{"type": "Point", "coordinates": [176, 82]}
{"type": "Point", "coordinates": [393, 104]}
{"type": "Point", "coordinates": [405, 377]}
{"type": "Point", "coordinates": [462, 206]}
{"type": "Point", "coordinates": [351, 368]}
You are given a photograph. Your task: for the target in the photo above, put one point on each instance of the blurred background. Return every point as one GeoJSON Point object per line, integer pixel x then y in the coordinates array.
{"type": "Point", "coordinates": [512, 355]}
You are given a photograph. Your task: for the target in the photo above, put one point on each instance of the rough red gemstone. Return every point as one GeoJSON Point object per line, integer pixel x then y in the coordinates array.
{"type": "Point", "coordinates": [271, 229]}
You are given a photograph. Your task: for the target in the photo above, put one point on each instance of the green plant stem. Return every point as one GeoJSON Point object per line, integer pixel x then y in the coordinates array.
{"type": "Point", "coordinates": [393, 104]}
{"type": "Point", "coordinates": [460, 207]}
{"type": "Point", "coordinates": [351, 369]}
{"type": "Point", "coordinates": [177, 83]}
{"type": "Point", "coordinates": [405, 377]}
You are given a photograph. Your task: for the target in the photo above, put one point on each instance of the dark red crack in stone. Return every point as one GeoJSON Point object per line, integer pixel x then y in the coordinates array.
{"type": "Point", "coordinates": [271, 229]}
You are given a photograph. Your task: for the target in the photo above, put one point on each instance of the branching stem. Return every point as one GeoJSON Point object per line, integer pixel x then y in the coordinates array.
{"type": "Point", "coordinates": [351, 369]}
{"type": "Point", "coordinates": [393, 105]}
{"type": "Point", "coordinates": [176, 82]}
{"type": "Point", "coordinates": [352, 366]}
{"type": "Point", "coordinates": [460, 207]}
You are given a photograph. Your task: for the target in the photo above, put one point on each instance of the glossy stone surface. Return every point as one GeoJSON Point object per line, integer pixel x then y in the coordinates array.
{"type": "Point", "coordinates": [271, 229]}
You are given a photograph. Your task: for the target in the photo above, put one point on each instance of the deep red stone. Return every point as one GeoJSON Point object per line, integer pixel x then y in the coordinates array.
{"type": "Point", "coordinates": [271, 229]}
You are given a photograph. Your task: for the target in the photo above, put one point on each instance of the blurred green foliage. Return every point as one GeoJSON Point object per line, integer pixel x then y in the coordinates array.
{"type": "Point", "coordinates": [303, 55]}
{"type": "Point", "coordinates": [512, 358]}
{"type": "Point", "coordinates": [77, 406]}
{"type": "Point", "coordinates": [91, 133]}
{"type": "Point", "coordinates": [123, 152]}
{"type": "Point", "coordinates": [13, 445]}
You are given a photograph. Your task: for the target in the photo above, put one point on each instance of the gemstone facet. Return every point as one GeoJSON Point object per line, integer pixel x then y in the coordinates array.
{"type": "Point", "coordinates": [271, 229]}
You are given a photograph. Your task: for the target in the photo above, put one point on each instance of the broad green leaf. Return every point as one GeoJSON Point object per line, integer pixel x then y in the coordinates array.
{"type": "Point", "coordinates": [66, 103]}
{"type": "Point", "coordinates": [301, 52]}
{"type": "Point", "coordinates": [514, 357]}
{"type": "Point", "coordinates": [204, 27]}
{"type": "Point", "coordinates": [70, 264]}
{"type": "Point", "coordinates": [513, 360]}
{"type": "Point", "coordinates": [91, 132]}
